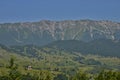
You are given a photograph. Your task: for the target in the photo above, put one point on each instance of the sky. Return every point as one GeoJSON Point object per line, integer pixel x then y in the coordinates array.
{"type": "Point", "coordinates": [36, 10]}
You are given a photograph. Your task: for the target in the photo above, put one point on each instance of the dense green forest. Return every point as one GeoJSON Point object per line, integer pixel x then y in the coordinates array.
{"type": "Point", "coordinates": [46, 63]}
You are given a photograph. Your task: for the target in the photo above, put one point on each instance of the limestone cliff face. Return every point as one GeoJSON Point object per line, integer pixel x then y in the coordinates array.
{"type": "Point", "coordinates": [45, 31]}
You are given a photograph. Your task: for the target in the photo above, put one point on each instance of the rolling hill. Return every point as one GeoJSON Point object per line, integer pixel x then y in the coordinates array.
{"type": "Point", "coordinates": [98, 47]}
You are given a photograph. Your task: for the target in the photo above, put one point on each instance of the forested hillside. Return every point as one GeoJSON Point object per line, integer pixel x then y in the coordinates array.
{"type": "Point", "coordinates": [54, 64]}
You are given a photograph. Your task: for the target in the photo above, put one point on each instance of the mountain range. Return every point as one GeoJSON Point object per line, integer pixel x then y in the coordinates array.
{"type": "Point", "coordinates": [46, 31]}
{"type": "Point", "coordinates": [62, 46]}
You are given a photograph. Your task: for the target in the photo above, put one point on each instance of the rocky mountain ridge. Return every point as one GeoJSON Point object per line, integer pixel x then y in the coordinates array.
{"type": "Point", "coordinates": [45, 31]}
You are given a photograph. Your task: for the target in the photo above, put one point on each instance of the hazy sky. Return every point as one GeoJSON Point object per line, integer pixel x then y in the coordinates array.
{"type": "Point", "coordinates": [35, 10]}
